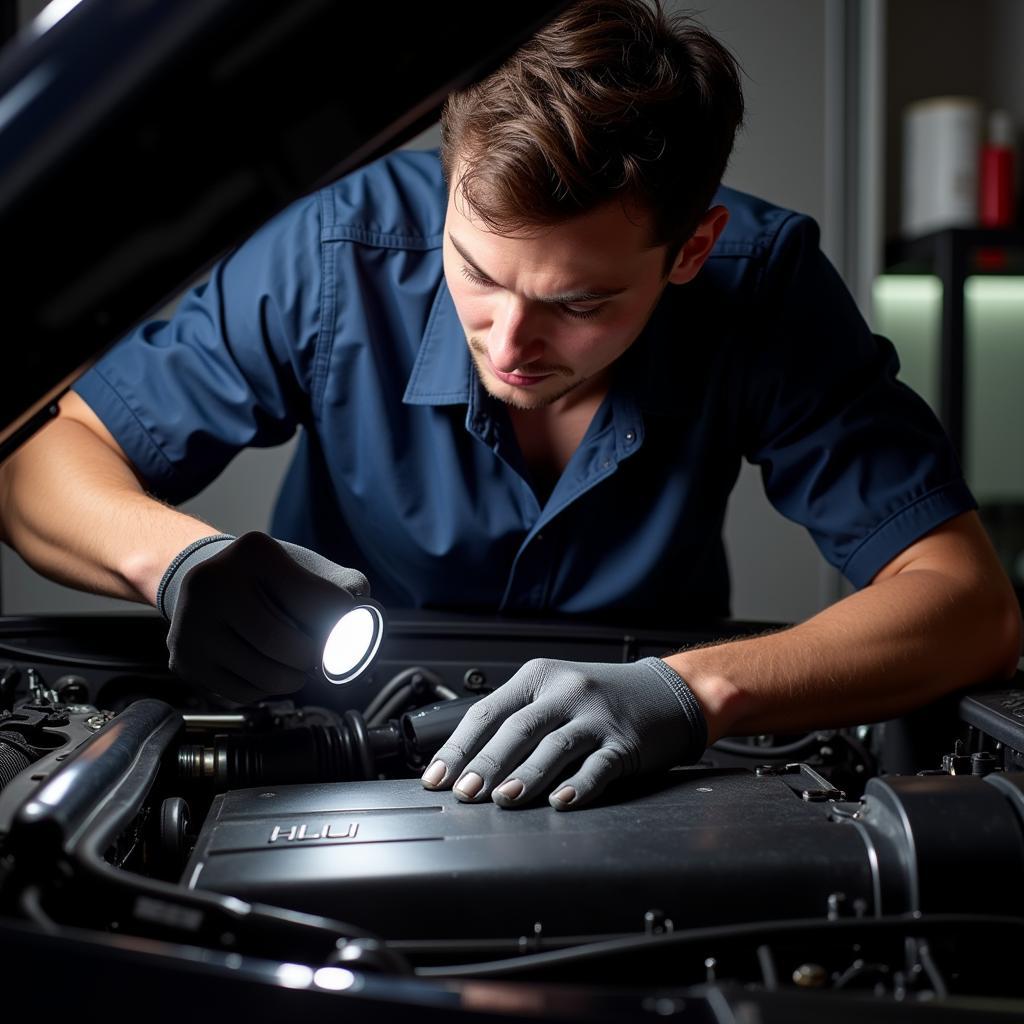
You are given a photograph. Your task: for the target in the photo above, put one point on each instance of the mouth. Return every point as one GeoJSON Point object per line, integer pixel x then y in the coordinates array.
{"type": "Point", "coordinates": [516, 380]}
{"type": "Point", "coordinates": [519, 380]}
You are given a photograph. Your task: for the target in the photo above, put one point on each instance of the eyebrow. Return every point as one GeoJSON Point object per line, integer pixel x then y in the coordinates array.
{"type": "Point", "coordinates": [587, 295]}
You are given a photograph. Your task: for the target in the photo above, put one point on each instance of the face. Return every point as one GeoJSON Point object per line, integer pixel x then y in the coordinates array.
{"type": "Point", "coordinates": [547, 312]}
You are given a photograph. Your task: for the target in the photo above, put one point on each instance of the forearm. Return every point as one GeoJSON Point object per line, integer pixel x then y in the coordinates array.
{"type": "Point", "coordinates": [73, 509]}
{"type": "Point", "coordinates": [895, 645]}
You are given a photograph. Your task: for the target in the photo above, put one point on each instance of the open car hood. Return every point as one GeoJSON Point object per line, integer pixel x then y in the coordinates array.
{"type": "Point", "coordinates": [141, 139]}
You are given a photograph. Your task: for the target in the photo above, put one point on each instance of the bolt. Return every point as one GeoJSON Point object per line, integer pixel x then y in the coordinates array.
{"type": "Point", "coordinates": [656, 923]}
{"type": "Point", "coordinates": [810, 976]}
{"type": "Point", "coordinates": [709, 966]}
{"type": "Point", "coordinates": [664, 1006]}
{"type": "Point", "coordinates": [836, 902]}
{"type": "Point", "coordinates": [474, 680]}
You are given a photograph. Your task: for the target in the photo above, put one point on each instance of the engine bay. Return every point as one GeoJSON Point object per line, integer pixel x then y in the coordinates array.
{"type": "Point", "coordinates": [862, 862]}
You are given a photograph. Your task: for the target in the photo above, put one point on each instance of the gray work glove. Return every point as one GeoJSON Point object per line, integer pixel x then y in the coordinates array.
{"type": "Point", "coordinates": [250, 615]}
{"type": "Point", "coordinates": [624, 719]}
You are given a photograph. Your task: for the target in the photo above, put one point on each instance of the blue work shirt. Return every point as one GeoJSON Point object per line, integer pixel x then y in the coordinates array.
{"type": "Point", "coordinates": [335, 318]}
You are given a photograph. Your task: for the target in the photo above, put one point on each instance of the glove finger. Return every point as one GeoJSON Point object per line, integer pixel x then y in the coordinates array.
{"type": "Point", "coordinates": [268, 676]}
{"type": "Point", "coordinates": [602, 767]}
{"type": "Point", "coordinates": [260, 624]}
{"type": "Point", "coordinates": [222, 682]}
{"type": "Point", "coordinates": [212, 655]}
{"type": "Point", "coordinates": [212, 678]}
{"type": "Point", "coordinates": [515, 738]}
{"type": "Point", "coordinates": [478, 725]}
{"type": "Point", "coordinates": [553, 755]}
{"type": "Point", "coordinates": [310, 603]}
{"type": "Point", "coordinates": [350, 580]}
{"type": "Point", "coordinates": [296, 582]}
{"type": "Point", "coordinates": [225, 683]}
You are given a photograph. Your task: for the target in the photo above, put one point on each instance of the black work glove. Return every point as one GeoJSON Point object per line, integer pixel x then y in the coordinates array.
{"type": "Point", "coordinates": [250, 615]}
{"type": "Point", "coordinates": [519, 740]}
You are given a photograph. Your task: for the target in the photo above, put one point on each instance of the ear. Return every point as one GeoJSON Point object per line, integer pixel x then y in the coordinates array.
{"type": "Point", "coordinates": [699, 245]}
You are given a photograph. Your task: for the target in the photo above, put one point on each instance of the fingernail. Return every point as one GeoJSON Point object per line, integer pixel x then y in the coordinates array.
{"type": "Point", "coordinates": [565, 795]}
{"type": "Point", "coordinates": [435, 773]}
{"type": "Point", "coordinates": [511, 789]}
{"type": "Point", "coordinates": [469, 785]}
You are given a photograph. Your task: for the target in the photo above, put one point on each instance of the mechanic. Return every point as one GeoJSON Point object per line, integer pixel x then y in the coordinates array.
{"type": "Point", "coordinates": [526, 370]}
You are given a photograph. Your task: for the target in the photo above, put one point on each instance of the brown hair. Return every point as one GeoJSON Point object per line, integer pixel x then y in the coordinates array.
{"type": "Point", "coordinates": [612, 99]}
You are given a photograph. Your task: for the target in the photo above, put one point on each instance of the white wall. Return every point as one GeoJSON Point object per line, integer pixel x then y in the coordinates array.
{"type": "Point", "coordinates": [777, 572]}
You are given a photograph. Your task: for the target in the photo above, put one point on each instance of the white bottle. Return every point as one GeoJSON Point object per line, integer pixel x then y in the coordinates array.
{"type": "Point", "coordinates": [941, 145]}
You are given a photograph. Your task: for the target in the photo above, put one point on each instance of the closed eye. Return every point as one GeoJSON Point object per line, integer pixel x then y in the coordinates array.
{"type": "Point", "coordinates": [475, 278]}
{"type": "Point", "coordinates": [578, 314]}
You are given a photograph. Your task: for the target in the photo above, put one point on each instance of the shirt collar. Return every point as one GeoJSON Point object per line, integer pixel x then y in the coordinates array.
{"type": "Point", "coordinates": [443, 373]}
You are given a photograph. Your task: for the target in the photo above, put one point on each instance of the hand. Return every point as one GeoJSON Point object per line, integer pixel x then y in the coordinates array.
{"type": "Point", "coordinates": [250, 615]}
{"type": "Point", "coordinates": [519, 740]}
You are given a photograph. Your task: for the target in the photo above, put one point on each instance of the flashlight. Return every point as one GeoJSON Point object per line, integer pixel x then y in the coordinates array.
{"type": "Point", "coordinates": [353, 643]}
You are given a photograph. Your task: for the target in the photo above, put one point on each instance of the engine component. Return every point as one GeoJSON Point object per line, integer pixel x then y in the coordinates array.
{"type": "Point", "coordinates": [841, 755]}
{"type": "Point", "coordinates": [702, 845]}
{"type": "Point", "coordinates": [310, 753]}
{"type": "Point", "coordinates": [38, 734]}
{"type": "Point", "coordinates": [61, 838]}
{"type": "Point", "coordinates": [173, 844]}
{"type": "Point", "coordinates": [72, 689]}
{"type": "Point", "coordinates": [957, 763]}
{"type": "Point", "coordinates": [337, 748]}
{"type": "Point", "coordinates": [425, 730]}
{"type": "Point", "coordinates": [16, 754]}
{"type": "Point", "coordinates": [9, 679]}
{"type": "Point", "coordinates": [768, 884]}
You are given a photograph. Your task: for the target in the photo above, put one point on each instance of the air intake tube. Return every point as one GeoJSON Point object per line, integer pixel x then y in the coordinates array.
{"type": "Point", "coordinates": [342, 751]}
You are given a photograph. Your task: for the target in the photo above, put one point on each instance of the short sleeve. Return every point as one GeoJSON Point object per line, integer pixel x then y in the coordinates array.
{"type": "Point", "coordinates": [845, 448]}
{"type": "Point", "coordinates": [231, 369]}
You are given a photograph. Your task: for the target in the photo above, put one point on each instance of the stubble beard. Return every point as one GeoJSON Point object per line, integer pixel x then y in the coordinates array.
{"type": "Point", "coordinates": [522, 398]}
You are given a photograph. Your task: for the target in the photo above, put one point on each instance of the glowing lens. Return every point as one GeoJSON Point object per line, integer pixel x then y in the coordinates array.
{"type": "Point", "coordinates": [353, 643]}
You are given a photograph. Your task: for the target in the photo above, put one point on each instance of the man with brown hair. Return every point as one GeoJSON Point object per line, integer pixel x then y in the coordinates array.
{"type": "Point", "coordinates": [527, 373]}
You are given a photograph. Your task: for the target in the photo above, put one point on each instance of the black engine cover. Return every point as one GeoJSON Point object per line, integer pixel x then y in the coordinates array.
{"type": "Point", "coordinates": [701, 846]}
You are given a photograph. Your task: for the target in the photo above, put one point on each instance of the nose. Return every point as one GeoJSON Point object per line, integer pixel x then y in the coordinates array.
{"type": "Point", "coordinates": [513, 342]}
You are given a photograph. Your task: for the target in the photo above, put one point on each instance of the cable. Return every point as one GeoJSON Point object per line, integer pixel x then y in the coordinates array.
{"type": "Point", "coordinates": [361, 743]}
{"type": "Point", "coordinates": [386, 691]}
{"type": "Point", "coordinates": [914, 923]}
{"type": "Point", "coordinates": [388, 709]}
{"type": "Point", "coordinates": [751, 750]}
{"type": "Point", "coordinates": [440, 692]}
{"type": "Point", "coordinates": [766, 961]}
{"type": "Point", "coordinates": [401, 680]}
{"type": "Point", "coordinates": [857, 970]}
{"type": "Point", "coordinates": [32, 907]}
{"type": "Point", "coordinates": [924, 955]}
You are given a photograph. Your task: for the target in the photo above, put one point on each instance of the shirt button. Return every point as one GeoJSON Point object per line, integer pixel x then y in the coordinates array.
{"type": "Point", "coordinates": [606, 463]}
{"type": "Point", "coordinates": [630, 436]}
